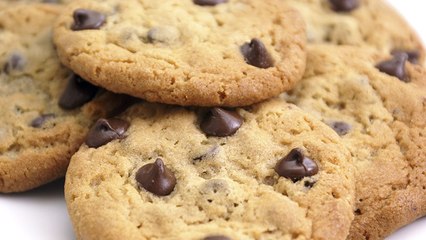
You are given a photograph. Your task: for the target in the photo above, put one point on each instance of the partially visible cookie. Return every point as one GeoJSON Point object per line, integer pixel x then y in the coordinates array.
{"type": "Point", "coordinates": [46, 110]}
{"type": "Point", "coordinates": [185, 52]}
{"type": "Point", "coordinates": [162, 172]}
{"type": "Point", "coordinates": [33, 1]}
{"type": "Point", "coordinates": [359, 23]}
{"type": "Point", "coordinates": [377, 103]}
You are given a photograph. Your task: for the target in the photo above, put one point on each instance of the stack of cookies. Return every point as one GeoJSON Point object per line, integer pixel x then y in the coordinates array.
{"type": "Point", "coordinates": [216, 119]}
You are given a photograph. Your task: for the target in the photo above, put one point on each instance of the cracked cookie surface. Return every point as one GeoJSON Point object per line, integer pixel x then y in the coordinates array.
{"type": "Point", "coordinates": [382, 120]}
{"type": "Point", "coordinates": [179, 52]}
{"type": "Point", "coordinates": [211, 186]}
{"type": "Point", "coordinates": [37, 136]}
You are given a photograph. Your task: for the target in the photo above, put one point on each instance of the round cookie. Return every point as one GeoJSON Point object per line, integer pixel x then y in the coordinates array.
{"type": "Point", "coordinates": [38, 136]}
{"type": "Point", "coordinates": [185, 52]}
{"type": "Point", "coordinates": [358, 22]}
{"type": "Point", "coordinates": [381, 118]}
{"type": "Point", "coordinates": [276, 173]}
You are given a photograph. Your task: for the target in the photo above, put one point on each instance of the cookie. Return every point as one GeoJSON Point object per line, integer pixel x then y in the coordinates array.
{"type": "Point", "coordinates": [377, 103]}
{"type": "Point", "coordinates": [359, 23]}
{"type": "Point", "coordinates": [46, 110]}
{"type": "Point", "coordinates": [268, 171]}
{"type": "Point", "coordinates": [5, 2]}
{"type": "Point", "coordinates": [185, 52]}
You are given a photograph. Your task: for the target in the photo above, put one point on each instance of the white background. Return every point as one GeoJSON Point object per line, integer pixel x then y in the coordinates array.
{"type": "Point", "coordinates": [41, 214]}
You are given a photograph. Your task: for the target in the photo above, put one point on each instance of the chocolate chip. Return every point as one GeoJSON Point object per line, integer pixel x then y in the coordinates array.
{"type": "Point", "coordinates": [395, 66]}
{"type": "Point", "coordinates": [156, 178]}
{"type": "Point", "coordinates": [106, 130]}
{"type": "Point", "coordinates": [209, 2]}
{"type": "Point", "coordinates": [344, 5]}
{"type": "Point", "coordinates": [217, 237]}
{"type": "Point", "coordinates": [38, 121]}
{"type": "Point", "coordinates": [340, 128]}
{"type": "Point", "coordinates": [87, 19]}
{"type": "Point", "coordinates": [413, 55]}
{"type": "Point", "coordinates": [296, 166]}
{"type": "Point", "coordinates": [220, 122]}
{"type": "Point", "coordinates": [256, 54]}
{"type": "Point", "coordinates": [358, 211]}
{"type": "Point", "coordinates": [77, 93]}
{"type": "Point", "coordinates": [16, 62]}
{"type": "Point", "coordinates": [122, 103]}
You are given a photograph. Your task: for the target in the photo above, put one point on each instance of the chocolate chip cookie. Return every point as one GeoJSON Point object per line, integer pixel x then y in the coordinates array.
{"type": "Point", "coordinates": [268, 171]}
{"type": "Point", "coordinates": [185, 52]}
{"type": "Point", "coordinates": [46, 110]}
{"type": "Point", "coordinates": [360, 23]}
{"type": "Point", "coordinates": [8, 2]}
{"type": "Point", "coordinates": [377, 104]}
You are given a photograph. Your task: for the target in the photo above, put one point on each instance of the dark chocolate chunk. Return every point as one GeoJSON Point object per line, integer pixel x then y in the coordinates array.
{"type": "Point", "coordinates": [296, 166]}
{"type": "Point", "coordinates": [106, 130]}
{"type": "Point", "coordinates": [256, 54]}
{"type": "Point", "coordinates": [344, 5]}
{"type": "Point", "coordinates": [357, 211]}
{"type": "Point", "coordinates": [121, 103]}
{"type": "Point", "coordinates": [217, 237]}
{"type": "Point", "coordinates": [340, 128]}
{"type": "Point", "coordinates": [395, 66]}
{"type": "Point", "coordinates": [38, 121]}
{"type": "Point", "coordinates": [209, 2]}
{"type": "Point", "coordinates": [87, 19]}
{"type": "Point", "coordinates": [156, 178]}
{"type": "Point", "coordinates": [77, 93]}
{"type": "Point", "coordinates": [413, 55]}
{"type": "Point", "coordinates": [16, 62]}
{"type": "Point", "coordinates": [220, 122]}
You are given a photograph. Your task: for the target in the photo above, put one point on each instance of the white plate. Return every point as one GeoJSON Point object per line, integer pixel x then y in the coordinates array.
{"type": "Point", "coordinates": [41, 214]}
